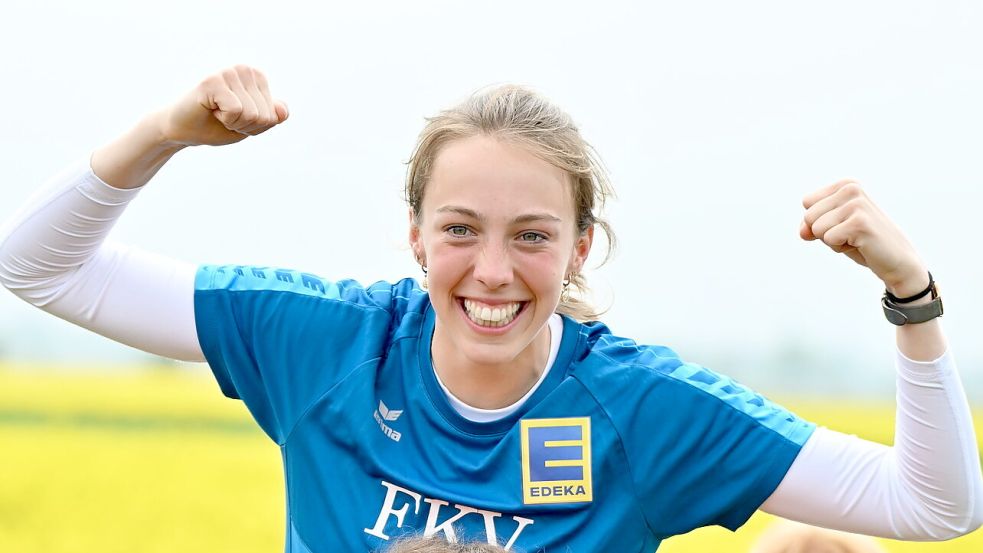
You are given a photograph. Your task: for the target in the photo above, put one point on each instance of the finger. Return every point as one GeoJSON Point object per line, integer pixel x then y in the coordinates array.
{"type": "Point", "coordinates": [265, 115]}
{"type": "Point", "coordinates": [840, 238]}
{"type": "Point", "coordinates": [282, 112]}
{"type": "Point", "coordinates": [805, 231]}
{"type": "Point", "coordinates": [222, 102]}
{"type": "Point", "coordinates": [278, 109]}
{"type": "Point", "coordinates": [823, 192]}
{"type": "Point", "coordinates": [847, 192]}
{"type": "Point", "coordinates": [263, 87]}
{"type": "Point", "coordinates": [822, 226]}
{"type": "Point", "coordinates": [846, 200]}
{"type": "Point", "coordinates": [249, 113]}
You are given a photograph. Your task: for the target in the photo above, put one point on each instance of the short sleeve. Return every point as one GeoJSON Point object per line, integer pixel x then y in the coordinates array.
{"type": "Point", "coordinates": [280, 340]}
{"type": "Point", "coordinates": [702, 449]}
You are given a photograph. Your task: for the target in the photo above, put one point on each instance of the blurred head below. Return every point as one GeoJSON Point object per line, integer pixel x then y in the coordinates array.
{"type": "Point", "coordinates": [794, 537]}
{"type": "Point", "coordinates": [435, 544]}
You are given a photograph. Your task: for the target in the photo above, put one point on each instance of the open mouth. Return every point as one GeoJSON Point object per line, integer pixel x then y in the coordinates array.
{"type": "Point", "coordinates": [491, 316]}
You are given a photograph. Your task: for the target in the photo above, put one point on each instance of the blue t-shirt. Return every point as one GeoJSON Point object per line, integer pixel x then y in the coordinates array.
{"type": "Point", "coordinates": [621, 446]}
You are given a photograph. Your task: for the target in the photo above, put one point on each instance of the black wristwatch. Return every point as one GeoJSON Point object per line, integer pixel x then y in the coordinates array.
{"type": "Point", "coordinates": [899, 314]}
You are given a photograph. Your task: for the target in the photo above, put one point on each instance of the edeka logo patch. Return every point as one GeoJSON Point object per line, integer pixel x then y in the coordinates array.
{"type": "Point", "coordinates": [556, 460]}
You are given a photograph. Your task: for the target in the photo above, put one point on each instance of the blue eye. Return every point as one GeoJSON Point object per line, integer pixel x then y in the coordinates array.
{"type": "Point", "coordinates": [532, 237]}
{"type": "Point", "coordinates": [459, 231]}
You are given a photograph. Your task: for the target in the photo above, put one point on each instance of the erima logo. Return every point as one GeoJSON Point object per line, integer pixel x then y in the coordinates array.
{"type": "Point", "coordinates": [383, 414]}
{"type": "Point", "coordinates": [388, 414]}
{"type": "Point", "coordinates": [556, 461]}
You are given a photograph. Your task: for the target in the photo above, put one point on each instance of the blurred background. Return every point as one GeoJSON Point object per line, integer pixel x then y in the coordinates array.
{"type": "Point", "coordinates": [714, 119]}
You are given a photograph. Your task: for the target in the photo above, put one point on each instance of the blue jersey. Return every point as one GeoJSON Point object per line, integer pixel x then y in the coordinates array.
{"type": "Point", "coordinates": [621, 446]}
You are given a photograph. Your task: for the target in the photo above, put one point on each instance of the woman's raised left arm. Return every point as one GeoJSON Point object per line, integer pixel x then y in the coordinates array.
{"type": "Point", "coordinates": [928, 485]}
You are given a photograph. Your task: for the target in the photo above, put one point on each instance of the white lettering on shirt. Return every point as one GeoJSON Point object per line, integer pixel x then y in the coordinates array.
{"type": "Point", "coordinates": [434, 506]}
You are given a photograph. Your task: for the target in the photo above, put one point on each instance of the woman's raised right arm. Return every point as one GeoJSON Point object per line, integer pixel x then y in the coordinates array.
{"type": "Point", "coordinates": [54, 253]}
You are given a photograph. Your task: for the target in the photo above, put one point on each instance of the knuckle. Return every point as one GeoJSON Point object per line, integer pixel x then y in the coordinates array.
{"type": "Point", "coordinates": [857, 205]}
{"type": "Point", "coordinates": [259, 76]}
{"type": "Point", "coordinates": [810, 218]}
{"type": "Point", "coordinates": [212, 80]}
{"type": "Point", "coordinates": [230, 75]}
{"type": "Point", "coordinates": [852, 189]}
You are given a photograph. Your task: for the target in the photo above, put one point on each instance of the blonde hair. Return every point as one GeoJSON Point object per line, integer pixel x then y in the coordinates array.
{"type": "Point", "coordinates": [434, 544]}
{"type": "Point", "coordinates": [522, 117]}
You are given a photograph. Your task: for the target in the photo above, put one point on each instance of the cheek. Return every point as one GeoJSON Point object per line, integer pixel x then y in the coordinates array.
{"type": "Point", "coordinates": [447, 264]}
{"type": "Point", "coordinates": [543, 270]}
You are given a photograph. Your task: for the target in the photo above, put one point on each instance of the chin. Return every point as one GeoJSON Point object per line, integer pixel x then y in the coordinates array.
{"type": "Point", "coordinates": [490, 354]}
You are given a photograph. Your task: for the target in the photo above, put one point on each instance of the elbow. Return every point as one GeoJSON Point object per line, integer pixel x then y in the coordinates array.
{"type": "Point", "coordinates": [9, 277]}
{"type": "Point", "coordinates": [940, 523]}
{"type": "Point", "coordinates": [974, 518]}
{"type": "Point", "coordinates": [969, 512]}
{"type": "Point", "coordinates": [28, 278]}
{"type": "Point", "coordinates": [949, 530]}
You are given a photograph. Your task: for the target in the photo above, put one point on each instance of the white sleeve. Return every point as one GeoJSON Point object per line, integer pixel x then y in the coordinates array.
{"type": "Point", "coordinates": [53, 254]}
{"type": "Point", "coordinates": [926, 487]}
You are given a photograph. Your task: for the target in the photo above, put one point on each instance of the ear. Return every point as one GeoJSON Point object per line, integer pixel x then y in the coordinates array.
{"type": "Point", "coordinates": [581, 249]}
{"type": "Point", "coordinates": [416, 242]}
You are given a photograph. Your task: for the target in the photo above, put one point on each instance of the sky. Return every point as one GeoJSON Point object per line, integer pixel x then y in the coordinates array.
{"type": "Point", "coordinates": [714, 119]}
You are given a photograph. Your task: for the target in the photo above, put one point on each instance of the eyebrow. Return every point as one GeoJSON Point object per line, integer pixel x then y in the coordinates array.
{"type": "Point", "coordinates": [524, 218]}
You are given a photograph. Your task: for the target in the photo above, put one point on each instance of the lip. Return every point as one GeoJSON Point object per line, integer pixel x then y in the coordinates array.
{"type": "Point", "coordinates": [490, 331]}
{"type": "Point", "coordinates": [489, 301]}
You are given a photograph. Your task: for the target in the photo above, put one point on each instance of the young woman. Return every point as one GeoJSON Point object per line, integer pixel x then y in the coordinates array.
{"type": "Point", "coordinates": [485, 405]}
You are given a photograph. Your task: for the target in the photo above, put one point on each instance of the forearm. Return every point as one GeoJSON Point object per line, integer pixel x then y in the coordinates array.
{"type": "Point", "coordinates": [53, 252]}
{"type": "Point", "coordinates": [134, 158]}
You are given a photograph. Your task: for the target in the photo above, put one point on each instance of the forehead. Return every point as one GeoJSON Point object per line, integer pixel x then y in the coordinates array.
{"type": "Point", "coordinates": [497, 179]}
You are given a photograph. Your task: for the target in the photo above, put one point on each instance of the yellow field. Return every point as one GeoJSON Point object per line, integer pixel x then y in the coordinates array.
{"type": "Point", "coordinates": [161, 462]}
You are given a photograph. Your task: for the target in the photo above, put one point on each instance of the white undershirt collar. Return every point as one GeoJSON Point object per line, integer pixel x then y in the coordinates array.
{"type": "Point", "coordinates": [475, 414]}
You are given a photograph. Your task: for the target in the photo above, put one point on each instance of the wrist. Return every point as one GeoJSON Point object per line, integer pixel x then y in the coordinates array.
{"type": "Point", "coordinates": [133, 158]}
{"type": "Point", "coordinates": [919, 307]}
{"type": "Point", "coordinates": [913, 282]}
{"type": "Point", "coordinates": [154, 132]}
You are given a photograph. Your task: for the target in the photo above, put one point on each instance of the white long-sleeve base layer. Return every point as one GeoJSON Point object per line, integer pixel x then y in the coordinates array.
{"type": "Point", "coordinates": [54, 254]}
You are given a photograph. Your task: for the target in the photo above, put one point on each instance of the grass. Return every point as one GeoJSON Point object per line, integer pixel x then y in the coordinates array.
{"type": "Point", "coordinates": [159, 461]}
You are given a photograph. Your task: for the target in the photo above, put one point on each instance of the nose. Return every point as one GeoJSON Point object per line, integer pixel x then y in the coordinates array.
{"type": "Point", "coordinates": [493, 267]}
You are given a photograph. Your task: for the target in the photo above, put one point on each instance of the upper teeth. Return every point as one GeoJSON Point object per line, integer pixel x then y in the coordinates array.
{"type": "Point", "coordinates": [481, 313]}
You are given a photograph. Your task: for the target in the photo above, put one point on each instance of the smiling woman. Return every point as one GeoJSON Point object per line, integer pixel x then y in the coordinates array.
{"type": "Point", "coordinates": [490, 405]}
{"type": "Point", "coordinates": [497, 233]}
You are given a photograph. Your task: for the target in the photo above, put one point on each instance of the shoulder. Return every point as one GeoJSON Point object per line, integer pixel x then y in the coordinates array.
{"type": "Point", "coordinates": [401, 296]}
{"type": "Point", "coordinates": [628, 377]}
{"type": "Point", "coordinates": [605, 355]}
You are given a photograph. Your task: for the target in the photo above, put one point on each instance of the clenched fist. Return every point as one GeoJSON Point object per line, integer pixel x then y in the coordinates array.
{"type": "Point", "coordinates": [848, 221]}
{"type": "Point", "coordinates": [224, 108]}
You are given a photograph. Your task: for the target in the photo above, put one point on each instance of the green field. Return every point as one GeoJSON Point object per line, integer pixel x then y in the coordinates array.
{"type": "Point", "coordinates": [159, 461]}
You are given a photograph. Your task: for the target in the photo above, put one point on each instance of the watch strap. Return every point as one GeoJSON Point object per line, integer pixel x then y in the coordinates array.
{"type": "Point", "coordinates": [903, 314]}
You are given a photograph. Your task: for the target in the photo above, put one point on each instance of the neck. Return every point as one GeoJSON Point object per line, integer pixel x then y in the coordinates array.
{"type": "Point", "coordinates": [489, 385]}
